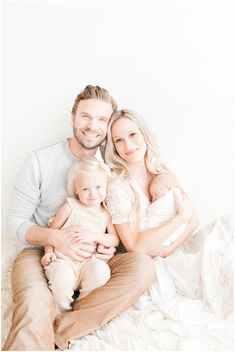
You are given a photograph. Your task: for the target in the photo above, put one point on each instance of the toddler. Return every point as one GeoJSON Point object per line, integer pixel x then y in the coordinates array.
{"type": "Point", "coordinates": [87, 183]}
{"type": "Point", "coordinates": [164, 197]}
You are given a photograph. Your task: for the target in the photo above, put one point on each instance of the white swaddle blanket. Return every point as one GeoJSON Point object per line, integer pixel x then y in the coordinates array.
{"type": "Point", "coordinates": [162, 210]}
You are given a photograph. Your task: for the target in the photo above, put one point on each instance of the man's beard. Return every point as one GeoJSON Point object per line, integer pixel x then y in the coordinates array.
{"type": "Point", "coordinates": [84, 145]}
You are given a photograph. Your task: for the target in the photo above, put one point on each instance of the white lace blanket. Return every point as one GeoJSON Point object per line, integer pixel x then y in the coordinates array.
{"type": "Point", "coordinates": [145, 326]}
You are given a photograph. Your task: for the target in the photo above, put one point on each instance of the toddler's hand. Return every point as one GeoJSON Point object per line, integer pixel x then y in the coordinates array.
{"type": "Point", "coordinates": [105, 253]}
{"type": "Point", "coordinates": [48, 258]}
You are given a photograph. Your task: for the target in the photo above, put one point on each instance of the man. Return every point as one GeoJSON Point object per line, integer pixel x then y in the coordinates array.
{"type": "Point", "coordinates": [39, 191]}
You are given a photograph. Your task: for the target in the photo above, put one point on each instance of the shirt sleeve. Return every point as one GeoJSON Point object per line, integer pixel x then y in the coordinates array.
{"type": "Point", "coordinates": [25, 198]}
{"type": "Point", "coordinates": [119, 201]}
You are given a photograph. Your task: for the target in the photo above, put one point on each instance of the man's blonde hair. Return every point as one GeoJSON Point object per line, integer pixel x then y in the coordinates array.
{"type": "Point", "coordinates": [94, 92]}
{"type": "Point", "coordinates": [83, 166]}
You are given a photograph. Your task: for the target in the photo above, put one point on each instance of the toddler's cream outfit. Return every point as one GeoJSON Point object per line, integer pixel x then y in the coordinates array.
{"type": "Point", "coordinates": [66, 276]}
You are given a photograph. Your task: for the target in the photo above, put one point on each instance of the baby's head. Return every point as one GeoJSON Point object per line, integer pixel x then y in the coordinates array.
{"type": "Point", "coordinates": [87, 181]}
{"type": "Point", "coordinates": [159, 185]}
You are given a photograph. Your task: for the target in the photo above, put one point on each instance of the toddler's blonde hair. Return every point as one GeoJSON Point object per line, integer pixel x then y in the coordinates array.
{"type": "Point", "coordinates": [83, 166]}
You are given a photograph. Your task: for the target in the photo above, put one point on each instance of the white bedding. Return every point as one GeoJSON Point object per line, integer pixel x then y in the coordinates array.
{"type": "Point", "coordinates": [142, 326]}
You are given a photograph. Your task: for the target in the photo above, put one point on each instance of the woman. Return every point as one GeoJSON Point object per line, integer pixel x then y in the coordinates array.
{"type": "Point", "coordinates": [134, 159]}
{"type": "Point", "coordinates": [132, 155]}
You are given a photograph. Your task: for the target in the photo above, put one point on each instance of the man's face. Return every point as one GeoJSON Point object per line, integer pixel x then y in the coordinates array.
{"type": "Point", "coordinates": [90, 122]}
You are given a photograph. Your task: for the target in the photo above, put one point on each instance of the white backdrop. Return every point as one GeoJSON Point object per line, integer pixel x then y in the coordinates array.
{"type": "Point", "coordinates": [170, 61]}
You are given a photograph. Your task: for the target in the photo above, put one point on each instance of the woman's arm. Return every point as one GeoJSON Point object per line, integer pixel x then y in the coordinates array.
{"type": "Point", "coordinates": [190, 228]}
{"type": "Point", "coordinates": [112, 232]}
{"type": "Point", "coordinates": [149, 240]}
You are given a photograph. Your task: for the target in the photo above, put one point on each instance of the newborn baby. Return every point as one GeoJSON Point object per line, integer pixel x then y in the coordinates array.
{"type": "Point", "coordinates": [164, 197]}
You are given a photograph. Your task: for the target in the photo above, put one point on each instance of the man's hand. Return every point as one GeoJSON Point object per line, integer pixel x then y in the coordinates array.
{"type": "Point", "coordinates": [105, 253]}
{"type": "Point", "coordinates": [66, 241]}
{"type": "Point", "coordinates": [48, 258]}
{"type": "Point", "coordinates": [86, 237]}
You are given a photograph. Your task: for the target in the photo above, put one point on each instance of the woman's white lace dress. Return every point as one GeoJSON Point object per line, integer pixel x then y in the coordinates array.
{"type": "Point", "coordinates": [195, 284]}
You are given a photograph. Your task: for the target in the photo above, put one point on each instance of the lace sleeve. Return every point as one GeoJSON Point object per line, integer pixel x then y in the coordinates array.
{"type": "Point", "coordinates": [118, 200]}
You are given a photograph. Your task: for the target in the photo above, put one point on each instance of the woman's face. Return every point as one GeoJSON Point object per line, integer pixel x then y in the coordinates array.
{"type": "Point", "coordinates": [128, 140]}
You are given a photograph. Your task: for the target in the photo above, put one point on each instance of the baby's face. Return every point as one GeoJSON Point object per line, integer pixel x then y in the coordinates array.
{"type": "Point", "coordinates": [159, 186]}
{"type": "Point", "coordinates": [91, 188]}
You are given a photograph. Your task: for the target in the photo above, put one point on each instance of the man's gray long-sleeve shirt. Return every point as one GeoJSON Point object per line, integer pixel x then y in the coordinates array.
{"type": "Point", "coordinates": [40, 188]}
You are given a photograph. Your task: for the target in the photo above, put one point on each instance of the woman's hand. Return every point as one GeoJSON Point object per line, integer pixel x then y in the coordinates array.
{"type": "Point", "coordinates": [163, 251]}
{"type": "Point", "coordinates": [48, 258]}
{"type": "Point", "coordinates": [183, 208]}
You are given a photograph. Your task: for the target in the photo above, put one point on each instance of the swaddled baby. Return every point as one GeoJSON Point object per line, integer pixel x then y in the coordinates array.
{"type": "Point", "coordinates": [163, 206]}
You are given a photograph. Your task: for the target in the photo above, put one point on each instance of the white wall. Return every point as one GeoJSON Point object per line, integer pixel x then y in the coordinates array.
{"type": "Point", "coordinates": [170, 61]}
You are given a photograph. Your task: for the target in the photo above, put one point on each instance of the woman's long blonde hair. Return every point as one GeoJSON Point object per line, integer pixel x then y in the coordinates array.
{"type": "Point", "coordinates": [119, 166]}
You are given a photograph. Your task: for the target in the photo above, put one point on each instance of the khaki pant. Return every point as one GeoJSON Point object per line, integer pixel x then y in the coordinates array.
{"type": "Point", "coordinates": [34, 313]}
{"type": "Point", "coordinates": [65, 277]}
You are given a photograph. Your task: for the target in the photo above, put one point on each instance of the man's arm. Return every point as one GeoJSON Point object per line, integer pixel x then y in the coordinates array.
{"type": "Point", "coordinates": [25, 199]}
{"type": "Point", "coordinates": [64, 241]}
